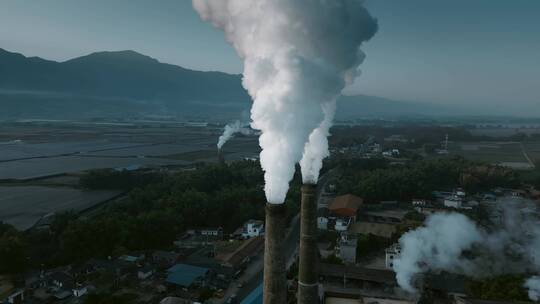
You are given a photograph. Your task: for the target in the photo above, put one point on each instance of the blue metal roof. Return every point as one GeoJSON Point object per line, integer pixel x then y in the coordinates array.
{"type": "Point", "coordinates": [185, 275]}
{"type": "Point", "coordinates": [255, 297]}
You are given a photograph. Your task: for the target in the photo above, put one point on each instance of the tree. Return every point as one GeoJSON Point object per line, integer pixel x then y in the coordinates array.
{"type": "Point", "coordinates": [13, 253]}
{"type": "Point", "coordinates": [505, 287]}
{"type": "Point", "coordinates": [332, 259]}
{"type": "Point", "coordinates": [369, 244]}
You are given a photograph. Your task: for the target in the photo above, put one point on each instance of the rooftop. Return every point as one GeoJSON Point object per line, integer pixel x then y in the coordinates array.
{"type": "Point", "coordinates": [379, 229]}
{"type": "Point", "coordinates": [185, 275]}
{"type": "Point", "coordinates": [394, 214]}
{"type": "Point", "coordinates": [255, 222]}
{"type": "Point", "coordinates": [348, 202]}
{"type": "Point", "coordinates": [358, 273]}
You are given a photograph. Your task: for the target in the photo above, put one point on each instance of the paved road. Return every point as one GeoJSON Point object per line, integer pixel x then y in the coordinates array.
{"type": "Point", "coordinates": [527, 156]}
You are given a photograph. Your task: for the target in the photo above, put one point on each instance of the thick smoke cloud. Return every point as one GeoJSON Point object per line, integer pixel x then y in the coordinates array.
{"type": "Point", "coordinates": [454, 243]}
{"type": "Point", "coordinates": [298, 56]}
{"type": "Point", "coordinates": [231, 129]}
{"type": "Point", "coordinates": [533, 284]}
{"type": "Point", "coordinates": [436, 246]}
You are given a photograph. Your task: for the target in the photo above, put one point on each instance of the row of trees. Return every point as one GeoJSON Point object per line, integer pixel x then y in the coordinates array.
{"type": "Point", "coordinates": [153, 214]}
{"type": "Point", "coordinates": [375, 180]}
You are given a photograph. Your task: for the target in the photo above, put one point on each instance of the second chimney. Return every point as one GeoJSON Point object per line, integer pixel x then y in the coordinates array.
{"type": "Point", "coordinates": [308, 281]}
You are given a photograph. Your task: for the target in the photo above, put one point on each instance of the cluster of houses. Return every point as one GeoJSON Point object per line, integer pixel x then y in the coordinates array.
{"type": "Point", "coordinates": [459, 200]}
{"type": "Point", "coordinates": [348, 216]}
{"type": "Point", "coordinates": [372, 149]}
{"type": "Point", "coordinates": [353, 281]}
{"type": "Point", "coordinates": [202, 259]}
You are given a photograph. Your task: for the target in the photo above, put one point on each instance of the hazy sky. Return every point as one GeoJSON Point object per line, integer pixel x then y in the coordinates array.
{"type": "Point", "coordinates": [482, 52]}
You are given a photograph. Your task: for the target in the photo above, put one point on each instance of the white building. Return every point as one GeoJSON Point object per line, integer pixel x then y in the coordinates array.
{"type": "Point", "coordinates": [145, 272]}
{"type": "Point", "coordinates": [453, 201]}
{"type": "Point", "coordinates": [214, 232]}
{"type": "Point", "coordinates": [253, 228]}
{"type": "Point", "coordinates": [392, 253]}
{"type": "Point", "coordinates": [322, 223]}
{"type": "Point", "coordinates": [460, 192]}
{"type": "Point", "coordinates": [419, 202]}
{"type": "Point", "coordinates": [322, 218]}
{"type": "Point", "coordinates": [342, 224]}
{"type": "Point", "coordinates": [347, 248]}
{"type": "Point", "coordinates": [80, 291]}
{"type": "Point", "coordinates": [16, 297]}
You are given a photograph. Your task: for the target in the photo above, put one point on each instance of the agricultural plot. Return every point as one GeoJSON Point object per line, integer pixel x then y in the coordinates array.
{"type": "Point", "coordinates": [40, 167]}
{"type": "Point", "coordinates": [23, 206]}
{"type": "Point", "coordinates": [533, 151]}
{"type": "Point", "coordinates": [504, 153]}
{"type": "Point", "coordinates": [19, 149]}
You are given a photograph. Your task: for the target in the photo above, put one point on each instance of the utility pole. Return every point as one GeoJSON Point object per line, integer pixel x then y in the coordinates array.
{"type": "Point", "coordinates": [308, 278]}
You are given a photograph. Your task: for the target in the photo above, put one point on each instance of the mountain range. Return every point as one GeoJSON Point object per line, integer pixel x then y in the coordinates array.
{"type": "Point", "coordinates": [127, 84]}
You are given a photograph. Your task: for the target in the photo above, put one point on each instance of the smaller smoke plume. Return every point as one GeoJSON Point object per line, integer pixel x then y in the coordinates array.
{"type": "Point", "coordinates": [436, 246]}
{"type": "Point", "coordinates": [316, 149]}
{"type": "Point", "coordinates": [231, 129]}
{"type": "Point", "coordinates": [454, 243]}
{"type": "Point", "coordinates": [533, 284]}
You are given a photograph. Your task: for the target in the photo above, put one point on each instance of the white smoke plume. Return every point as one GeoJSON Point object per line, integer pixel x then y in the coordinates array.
{"type": "Point", "coordinates": [533, 284]}
{"type": "Point", "coordinates": [436, 246]}
{"type": "Point", "coordinates": [454, 243]}
{"type": "Point", "coordinates": [298, 56]}
{"type": "Point", "coordinates": [231, 129]}
{"type": "Point", "coordinates": [317, 148]}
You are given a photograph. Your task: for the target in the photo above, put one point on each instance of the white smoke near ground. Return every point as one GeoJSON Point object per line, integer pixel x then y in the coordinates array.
{"type": "Point", "coordinates": [454, 243]}
{"type": "Point", "coordinates": [231, 129]}
{"type": "Point", "coordinates": [436, 246]}
{"type": "Point", "coordinates": [533, 285]}
{"type": "Point", "coordinates": [298, 56]}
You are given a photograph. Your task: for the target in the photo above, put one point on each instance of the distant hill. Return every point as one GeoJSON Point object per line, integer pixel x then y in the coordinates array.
{"type": "Point", "coordinates": [129, 84]}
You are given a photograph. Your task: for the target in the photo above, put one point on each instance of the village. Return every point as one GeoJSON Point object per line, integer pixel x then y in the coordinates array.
{"type": "Point", "coordinates": [359, 229]}
{"type": "Point", "coordinates": [357, 246]}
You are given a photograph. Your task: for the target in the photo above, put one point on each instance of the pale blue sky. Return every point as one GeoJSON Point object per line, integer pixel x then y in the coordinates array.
{"type": "Point", "coordinates": [483, 52]}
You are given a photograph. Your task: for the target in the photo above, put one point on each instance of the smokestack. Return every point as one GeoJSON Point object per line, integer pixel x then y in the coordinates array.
{"type": "Point", "coordinates": [275, 275]}
{"type": "Point", "coordinates": [221, 158]}
{"type": "Point", "coordinates": [308, 286]}
{"type": "Point", "coordinates": [298, 57]}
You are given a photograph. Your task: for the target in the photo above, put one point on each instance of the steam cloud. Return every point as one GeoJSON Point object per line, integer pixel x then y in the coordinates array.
{"type": "Point", "coordinates": [436, 246]}
{"type": "Point", "coordinates": [298, 56]}
{"type": "Point", "coordinates": [452, 242]}
{"type": "Point", "coordinates": [231, 129]}
{"type": "Point", "coordinates": [533, 284]}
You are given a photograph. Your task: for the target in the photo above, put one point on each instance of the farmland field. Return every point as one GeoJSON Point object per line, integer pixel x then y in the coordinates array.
{"type": "Point", "coordinates": [504, 153]}
{"type": "Point", "coordinates": [23, 206]}
{"type": "Point", "coordinates": [28, 152]}
{"type": "Point", "coordinates": [533, 151]}
{"type": "Point", "coordinates": [40, 167]}
{"type": "Point", "coordinates": [34, 158]}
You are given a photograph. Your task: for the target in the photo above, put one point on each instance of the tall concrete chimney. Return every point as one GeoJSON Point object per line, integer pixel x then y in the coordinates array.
{"type": "Point", "coordinates": [220, 156]}
{"type": "Point", "coordinates": [308, 278]}
{"type": "Point", "coordinates": [275, 272]}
